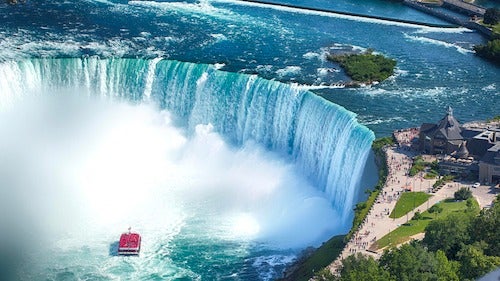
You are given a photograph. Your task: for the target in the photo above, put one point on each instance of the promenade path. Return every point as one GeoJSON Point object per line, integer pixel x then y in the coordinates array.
{"type": "Point", "coordinates": [468, 7]}
{"type": "Point", "coordinates": [378, 224]}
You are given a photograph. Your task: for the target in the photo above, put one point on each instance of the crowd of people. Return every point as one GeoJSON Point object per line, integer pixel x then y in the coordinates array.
{"type": "Point", "coordinates": [404, 138]}
{"type": "Point", "coordinates": [398, 168]}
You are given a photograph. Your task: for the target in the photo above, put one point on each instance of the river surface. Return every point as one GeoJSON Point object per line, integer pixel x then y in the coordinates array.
{"type": "Point", "coordinates": [169, 54]}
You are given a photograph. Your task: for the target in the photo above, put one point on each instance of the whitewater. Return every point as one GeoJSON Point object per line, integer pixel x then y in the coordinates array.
{"type": "Point", "coordinates": [173, 118]}
{"type": "Point", "coordinates": [245, 169]}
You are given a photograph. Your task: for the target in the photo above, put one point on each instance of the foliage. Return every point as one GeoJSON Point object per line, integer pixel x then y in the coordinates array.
{"type": "Point", "coordinates": [443, 180]}
{"type": "Point", "coordinates": [417, 216]}
{"type": "Point", "coordinates": [490, 51]}
{"type": "Point", "coordinates": [486, 228]}
{"type": "Point", "coordinates": [435, 209]}
{"type": "Point", "coordinates": [494, 119]}
{"type": "Point", "coordinates": [463, 193]}
{"type": "Point", "coordinates": [418, 166]}
{"type": "Point", "coordinates": [456, 247]}
{"type": "Point", "coordinates": [491, 16]}
{"type": "Point", "coordinates": [381, 142]}
{"type": "Point", "coordinates": [448, 234]}
{"type": "Point", "coordinates": [432, 174]}
{"type": "Point", "coordinates": [320, 258]}
{"type": "Point", "coordinates": [414, 262]}
{"type": "Point", "coordinates": [361, 210]}
{"type": "Point", "coordinates": [405, 231]}
{"type": "Point", "coordinates": [407, 202]}
{"type": "Point", "coordinates": [474, 263]}
{"type": "Point", "coordinates": [324, 275]}
{"type": "Point", "coordinates": [365, 67]}
{"type": "Point", "coordinates": [447, 269]}
{"type": "Point", "coordinates": [359, 267]}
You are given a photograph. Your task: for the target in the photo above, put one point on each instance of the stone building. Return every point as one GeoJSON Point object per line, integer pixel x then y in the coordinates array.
{"type": "Point", "coordinates": [444, 137]}
{"type": "Point", "coordinates": [489, 165]}
{"type": "Point", "coordinates": [466, 150]}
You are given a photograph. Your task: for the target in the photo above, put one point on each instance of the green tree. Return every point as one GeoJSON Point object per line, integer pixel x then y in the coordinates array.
{"type": "Point", "coordinates": [435, 209]}
{"type": "Point", "coordinates": [447, 270]}
{"type": "Point", "coordinates": [411, 262]}
{"type": "Point", "coordinates": [448, 234]}
{"type": "Point", "coordinates": [358, 267]}
{"type": "Point", "coordinates": [486, 228]}
{"type": "Point", "coordinates": [491, 16]}
{"type": "Point", "coordinates": [417, 216]}
{"type": "Point", "coordinates": [463, 194]}
{"type": "Point", "coordinates": [490, 51]}
{"type": "Point", "coordinates": [474, 263]}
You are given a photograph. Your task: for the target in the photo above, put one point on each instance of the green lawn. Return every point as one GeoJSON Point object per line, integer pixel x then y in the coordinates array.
{"type": "Point", "coordinates": [407, 202]}
{"type": "Point", "coordinates": [403, 233]}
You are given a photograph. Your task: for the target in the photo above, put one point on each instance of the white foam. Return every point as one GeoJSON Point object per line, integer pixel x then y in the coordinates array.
{"type": "Point", "coordinates": [490, 87]}
{"type": "Point", "coordinates": [288, 71]}
{"type": "Point", "coordinates": [219, 65]}
{"type": "Point", "coordinates": [265, 265]}
{"type": "Point", "coordinates": [320, 13]}
{"type": "Point", "coordinates": [457, 30]}
{"type": "Point", "coordinates": [111, 165]}
{"type": "Point", "coordinates": [219, 37]}
{"type": "Point", "coordinates": [311, 55]}
{"type": "Point", "coordinates": [436, 42]}
{"type": "Point", "coordinates": [323, 71]}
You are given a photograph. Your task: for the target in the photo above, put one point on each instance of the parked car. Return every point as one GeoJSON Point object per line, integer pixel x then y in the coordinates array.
{"type": "Point", "coordinates": [476, 185]}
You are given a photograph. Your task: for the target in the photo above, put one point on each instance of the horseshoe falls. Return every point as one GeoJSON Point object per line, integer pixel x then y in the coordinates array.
{"type": "Point", "coordinates": [226, 176]}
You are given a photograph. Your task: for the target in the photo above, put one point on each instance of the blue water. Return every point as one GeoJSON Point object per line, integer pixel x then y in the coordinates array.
{"type": "Point", "coordinates": [88, 46]}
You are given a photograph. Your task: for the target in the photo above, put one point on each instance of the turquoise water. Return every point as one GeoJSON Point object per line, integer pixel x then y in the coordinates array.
{"type": "Point", "coordinates": [256, 170]}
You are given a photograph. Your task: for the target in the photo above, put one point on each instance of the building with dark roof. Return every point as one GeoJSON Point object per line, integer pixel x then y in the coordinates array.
{"type": "Point", "coordinates": [444, 137]}
{"type": "Point", "coordinates": [474, 151]}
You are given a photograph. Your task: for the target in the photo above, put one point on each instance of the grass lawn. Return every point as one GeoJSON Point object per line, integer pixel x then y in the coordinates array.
{"type": "Point", "coordinates": [496, 28]}
{"type": "Point", "coordinates": [403, 233]}
{"type": "Point", "coordinates": [407, 202]}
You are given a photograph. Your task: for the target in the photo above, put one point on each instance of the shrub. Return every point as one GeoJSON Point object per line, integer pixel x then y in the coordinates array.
{"type": "Point", "coordinates": [417, 216]}
{"type": "Point", "coordinates": [463, 194]}
{"type": "Point", "coordinates": [491, 16]}
{"type": "Point", "coordinates": [490, 51]}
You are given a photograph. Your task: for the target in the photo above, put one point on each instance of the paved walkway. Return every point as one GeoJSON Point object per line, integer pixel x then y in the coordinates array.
{"type": "Point", "coordinates": [470, 8]}
{"type": "Point", "coordinates": [378, 224]}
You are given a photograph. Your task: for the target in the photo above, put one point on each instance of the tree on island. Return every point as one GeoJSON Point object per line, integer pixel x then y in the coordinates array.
{"type": "Point", "coordinates": [366, 67]}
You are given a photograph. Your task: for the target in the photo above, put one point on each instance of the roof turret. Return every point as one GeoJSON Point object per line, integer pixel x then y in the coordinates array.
{"type": "Point", "coordinates": [462, 151]}
{"type": "Point", "coordinates": [449, 126]}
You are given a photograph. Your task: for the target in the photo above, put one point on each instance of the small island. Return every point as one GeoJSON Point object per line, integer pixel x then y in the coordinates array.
{"type": "Point", "coordinates": [366, 67]}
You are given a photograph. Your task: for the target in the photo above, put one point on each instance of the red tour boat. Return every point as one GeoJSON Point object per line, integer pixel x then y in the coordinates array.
{"type": "Point", "coordinates": [130, 243]}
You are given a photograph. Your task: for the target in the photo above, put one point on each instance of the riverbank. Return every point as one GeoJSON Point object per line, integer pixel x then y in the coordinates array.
{"type": "Point", "coordinates": [317, 260]}
{"type": "Point", "coordinates": [373, 223]}
{"type": "Point", "coordinates": [469, 23]}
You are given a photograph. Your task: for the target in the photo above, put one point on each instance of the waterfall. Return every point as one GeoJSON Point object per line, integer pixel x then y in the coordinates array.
{"type": "Point", "coordinates": [324, 140]}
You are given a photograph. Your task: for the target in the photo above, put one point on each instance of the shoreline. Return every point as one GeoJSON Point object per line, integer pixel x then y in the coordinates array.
{"type": "Point", "coordinates": [376, 223]}
{"type": "Point", "coordinates": [387, 19]}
